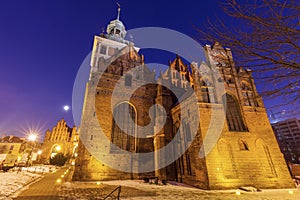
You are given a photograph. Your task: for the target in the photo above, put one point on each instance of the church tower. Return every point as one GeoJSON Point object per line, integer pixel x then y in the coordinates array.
{"type": "Point", "coordinates": [114, 111]}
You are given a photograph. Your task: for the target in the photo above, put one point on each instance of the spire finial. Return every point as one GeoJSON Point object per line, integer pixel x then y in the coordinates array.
{"type": "Point", "coordinates": [119, 10]}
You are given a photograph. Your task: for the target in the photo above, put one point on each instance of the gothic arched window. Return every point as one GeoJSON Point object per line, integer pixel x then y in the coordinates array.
{"type": "Point", "coordinates": [123, 128]}
{"type": "Point", "coordinates": [233, 114]}
{"type": "Point", "coordinates": [248, 95]}
{"type": "Point", "coordinates": [207, 91]}
{"type": "Point", "coordinates": [243, 145]}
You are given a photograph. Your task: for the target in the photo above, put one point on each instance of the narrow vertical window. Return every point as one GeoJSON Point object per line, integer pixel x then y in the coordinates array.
{"type": "Point", "coordinates": [103, 49]}
{"type": "Point", "coordinates": [188, 164]}
{"type": "Point", "coordinates": [248, 96]}
{"type": "Point", "coordinates": [207, 91]}
{"type": "Point", "coordinates": [233, 114]}
{"type": "Point", "coordinates": [128, 80]}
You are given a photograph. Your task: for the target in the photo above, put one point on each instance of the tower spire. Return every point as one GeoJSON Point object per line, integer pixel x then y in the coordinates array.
{"type": "Point", "coordinates": [116, 29]}
{"type": "Point", "coordinates": [119, 10]}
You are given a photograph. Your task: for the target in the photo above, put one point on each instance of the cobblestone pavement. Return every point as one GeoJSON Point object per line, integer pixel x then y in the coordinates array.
{"type": "Point", "coordinates": [49, 189]}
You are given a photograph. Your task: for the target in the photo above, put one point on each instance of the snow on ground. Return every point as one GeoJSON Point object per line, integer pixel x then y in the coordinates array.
{"type": "Point", "coordinates": [186, 193]}
{"type": "Point", "coordinates": [39, 169]}
{"type": "Point", "coordinates": [14, 180]}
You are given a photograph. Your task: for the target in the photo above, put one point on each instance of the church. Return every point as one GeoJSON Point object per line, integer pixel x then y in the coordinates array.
{"type": "Point", "coordinates": [137, 124]}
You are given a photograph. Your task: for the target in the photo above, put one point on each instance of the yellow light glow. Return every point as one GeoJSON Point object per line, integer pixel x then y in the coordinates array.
{"type": "Point", "coordinates": [62, 176]}
{"type": "Point", "coordinates": [58, 148]}
{"type": "Point", "coordinates": [39, 152]}
{"type": "Point", "coordinates": [291, 192]}
{"type": "Point", "coordinates": [58, 180]}
{"type": "Point", "coordinates": [29, 129]}
{"type": "Point", "coordinates": [32, 137]}
{"type": "Point", "coordinates": [98, 183]}
{"type": "Point", "coordinates": [238, 193]}
{"type": "Point", "coordinates": [73, 163]}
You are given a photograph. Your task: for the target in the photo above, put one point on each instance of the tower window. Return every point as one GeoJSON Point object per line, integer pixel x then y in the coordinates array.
{"type": "Point", "coordinates": [208, 95]}
{"type": "Point", "coordinates": [103, 49]}
{"type": "Point", "coordinates": [111, 51]}
{"type": "Point", "coordinates": [233, 114]}
{"type": "Point", "coordinates": [123, 128]}
{"type": "Point", "coordinates": [248, 96]}
{"type": "Point", "coordinates": [188, 164]}
{"type": "Point", "coordinates": [128, 80]}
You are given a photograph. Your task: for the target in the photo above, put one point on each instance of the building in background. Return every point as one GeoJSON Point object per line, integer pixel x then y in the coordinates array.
{"type": "Point", "coordinates": [288, 136]}
{"type": "Point", "coordinates": [61, 139]}
{"type": "Point", "coordinates": [246, 153]}
{"type": "Point", "coordinates": [15, 151]}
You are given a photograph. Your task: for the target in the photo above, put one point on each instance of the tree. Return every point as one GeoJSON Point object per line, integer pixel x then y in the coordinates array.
{"type": "Point", "coordinates": [59, 159]}
{"type": "Point", "coordinates": [264, 35]}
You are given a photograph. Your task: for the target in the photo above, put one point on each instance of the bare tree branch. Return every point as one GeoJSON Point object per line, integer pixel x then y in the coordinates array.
{"type": "Point", "coordinates": [264, 35]}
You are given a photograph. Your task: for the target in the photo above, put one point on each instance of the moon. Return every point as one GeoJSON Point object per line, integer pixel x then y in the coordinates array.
{"type": "Point", "coordinates": [66, 107]}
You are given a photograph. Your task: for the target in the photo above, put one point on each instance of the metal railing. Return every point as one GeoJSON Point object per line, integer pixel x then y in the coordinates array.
{"type": "Point", "coordinates": [115, 194]}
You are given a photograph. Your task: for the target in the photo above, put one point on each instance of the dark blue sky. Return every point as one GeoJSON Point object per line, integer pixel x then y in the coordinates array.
{"type": "Point", "coordinates": [43, 43]}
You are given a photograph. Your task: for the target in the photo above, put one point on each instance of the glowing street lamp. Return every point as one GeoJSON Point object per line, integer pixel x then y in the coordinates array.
{"type": "Point", "coordinates": [32, 137]}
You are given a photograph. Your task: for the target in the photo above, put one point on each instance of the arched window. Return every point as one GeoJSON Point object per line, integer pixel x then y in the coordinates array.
{"type": "Point", "coordinates": [248, 95]}
{"type": "Point", "coordinates": [243, 146]}
{"type": "Point", "coordinates": [265, 159]}
{"type": "Point", "coordinates": [123, 131]}
{"type": "Point", "coordinates": [233, 114]}
{"type": "Point", "coordinates": [207, 91]}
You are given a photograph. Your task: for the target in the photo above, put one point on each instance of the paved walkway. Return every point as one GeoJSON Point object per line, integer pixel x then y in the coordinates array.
{"type": "Point", "coordinates": [46, 188]}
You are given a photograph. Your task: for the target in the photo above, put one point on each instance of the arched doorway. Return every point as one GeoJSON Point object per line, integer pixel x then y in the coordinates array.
{"type": "Point", "coordinates": [55, 149]}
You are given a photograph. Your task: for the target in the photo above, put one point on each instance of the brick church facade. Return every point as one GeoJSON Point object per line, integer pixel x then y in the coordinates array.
{"type": "Point", "coordinates": [61, 139]}
{"type": "Point", "coordinates": [245, 154]}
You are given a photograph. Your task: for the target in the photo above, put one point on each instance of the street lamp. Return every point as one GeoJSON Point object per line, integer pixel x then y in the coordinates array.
{"type": "Point", "coordinates": [32, 137]}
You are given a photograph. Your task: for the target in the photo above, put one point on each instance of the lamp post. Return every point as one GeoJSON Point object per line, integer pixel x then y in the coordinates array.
{"type": "Point", "coordinates": [39, 153]}
{"type": "Point", "coordinates": [32, 137]}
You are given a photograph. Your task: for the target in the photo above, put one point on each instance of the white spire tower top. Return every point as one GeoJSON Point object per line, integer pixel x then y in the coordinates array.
{"type": "Point", "coordinates": [116, 29]}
